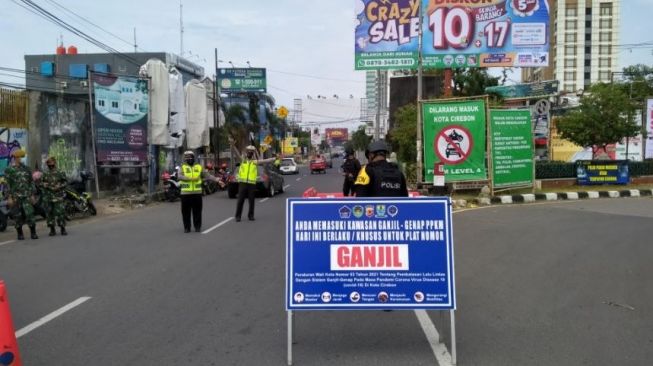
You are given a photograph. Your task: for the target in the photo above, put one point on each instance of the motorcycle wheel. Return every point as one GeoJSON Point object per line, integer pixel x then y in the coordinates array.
{"type": "Point", "coordinates": [91, 209]}
{"type": "Point", "coordinates": [3, 222]}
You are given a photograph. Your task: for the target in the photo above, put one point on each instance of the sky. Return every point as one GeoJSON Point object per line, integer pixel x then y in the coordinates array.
{"type": "Point", "coordinates": [307, 46]}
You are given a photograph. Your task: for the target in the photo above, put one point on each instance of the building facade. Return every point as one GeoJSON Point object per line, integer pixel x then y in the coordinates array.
{"type": "Point", "coordinates": [584, 38]}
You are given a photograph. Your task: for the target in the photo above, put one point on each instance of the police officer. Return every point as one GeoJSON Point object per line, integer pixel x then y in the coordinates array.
{"type": "Point", "coordinates": [247, 176]}
{"type": "Point", "coordinates": [350, 169]}
{"type": "Point", "coordinates": [54, 181]}
{"type": "Point", "coordinates": [21, 191]}
{"type": "Point", "coordinates": [191, 175]}
{"type": "Point", "coordinates": [380, 178]}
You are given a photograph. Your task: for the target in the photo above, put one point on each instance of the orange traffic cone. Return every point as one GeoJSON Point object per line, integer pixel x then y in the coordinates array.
{"type": "Point", "coordinates": [8, 346]}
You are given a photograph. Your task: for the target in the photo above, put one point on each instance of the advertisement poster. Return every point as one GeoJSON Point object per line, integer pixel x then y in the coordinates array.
{"type": "Point", "coordinates": [242, 80]}
{"type": "Point", "coordinates": [599, 172]}
{"type": "Point", "coordinates": [454, 134]}
{"type": "Point", "coordinates": [337, 136]}
{"type": "Point", "coordinates": [121, 112]}
{"type": "Point", "coordinates": [369, 254]}
{"type": "Point", "coordinates": [11, 139]}
{"type": "Point", "coordinates": [649, 129]}
{"type": "Point", "coordinates": [387, 34]}
{"type": "Point", "coordinates": [488, 33]}
{"type": "Point", "coordinates": [512, 148]}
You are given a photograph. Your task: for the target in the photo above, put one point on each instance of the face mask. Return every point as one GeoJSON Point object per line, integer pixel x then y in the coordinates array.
{"type": "Point", "coordinates": [250, 155]}
{"type": "Point", "coordinates": [190, 161]}
{"type": "Point", "coordinates": [51, 167]}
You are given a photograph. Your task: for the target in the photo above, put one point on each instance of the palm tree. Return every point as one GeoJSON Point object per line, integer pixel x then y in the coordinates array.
{"type": "Point", "coordinates": [235, 123]}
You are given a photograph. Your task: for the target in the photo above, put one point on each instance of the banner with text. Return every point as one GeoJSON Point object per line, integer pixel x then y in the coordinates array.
{"type": "Point", "coordinates": [454, 134]}
{"type": "Point", "coordinates": [386, 35]}
{"type": "Point", "coordinates": [512, 148]}
{"type": "Point", "coordinates": [488, 33]}
{"type": "Point", "coordinates": [234, 80]}
{"type": "Point", "coordinates": [369, 254]}
{"type": "Point", "coordinates": [121, 111]}
{"type": "Point", "coordinates": [649, 129]}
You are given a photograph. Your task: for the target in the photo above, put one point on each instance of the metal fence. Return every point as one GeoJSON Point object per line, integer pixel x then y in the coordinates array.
{"type": "Point", "coordinates": [13, 108]}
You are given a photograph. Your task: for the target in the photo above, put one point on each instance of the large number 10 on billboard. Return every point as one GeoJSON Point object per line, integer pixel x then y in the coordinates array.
{"type": "Point", "coordinates": [456, 33]}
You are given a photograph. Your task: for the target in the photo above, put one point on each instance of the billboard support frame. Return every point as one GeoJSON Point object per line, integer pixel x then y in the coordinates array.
{"type": "Point", "coordinates": [91, 107]}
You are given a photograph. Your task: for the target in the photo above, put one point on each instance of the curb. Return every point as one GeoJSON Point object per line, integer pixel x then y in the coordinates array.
{"type": "Point", "coordinates": [569, 196]}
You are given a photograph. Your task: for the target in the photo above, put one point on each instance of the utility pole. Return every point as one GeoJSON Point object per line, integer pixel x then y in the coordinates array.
{"type": "Point", "coordinates": [181, 29]}
{"type": "Point", "coordinates": [135, 44]}
{"type": "Point", "coordinates": [377, 120]}
{"type": "Point", "coordinates": [420, 117]}
{"type": "Point", "coordinates": [216, 111]}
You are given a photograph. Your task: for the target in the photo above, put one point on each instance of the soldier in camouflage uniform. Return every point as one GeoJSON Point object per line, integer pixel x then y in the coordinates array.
{"type": "Point", "coordinates": [54, 182]}
{"type": "Point", "coordinates": [21, 191]}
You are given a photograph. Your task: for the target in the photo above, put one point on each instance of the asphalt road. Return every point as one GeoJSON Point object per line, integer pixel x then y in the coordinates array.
{"type": "Point", "coordinates": [562, 283]}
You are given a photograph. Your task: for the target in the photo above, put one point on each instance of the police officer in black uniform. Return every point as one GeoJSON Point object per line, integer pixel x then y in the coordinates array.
{"type": "Point", "coordinates": [380, 178]}
{"type": "Point", "coordinates": [350, 169]}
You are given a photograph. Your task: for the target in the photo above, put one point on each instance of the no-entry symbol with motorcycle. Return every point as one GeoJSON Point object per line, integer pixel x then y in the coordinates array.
{"type": "Point", "coordinates": [453, 144]}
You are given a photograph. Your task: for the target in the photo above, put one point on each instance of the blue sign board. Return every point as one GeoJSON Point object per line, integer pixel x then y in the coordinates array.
{"type": "Point", "coordinates": [595, 172]}
{"type": "Point", "coordinates": [354, 254]}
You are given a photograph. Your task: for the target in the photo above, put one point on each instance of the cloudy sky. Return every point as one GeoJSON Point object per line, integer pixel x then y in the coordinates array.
{"type": "Point", "coordinates": [306, 45]}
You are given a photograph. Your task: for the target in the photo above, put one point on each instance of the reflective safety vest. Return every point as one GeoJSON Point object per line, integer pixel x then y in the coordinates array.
{"type": "Point", "coordinates": [193, 186]}
{"type": "Point", "coordinates": [247, 172]}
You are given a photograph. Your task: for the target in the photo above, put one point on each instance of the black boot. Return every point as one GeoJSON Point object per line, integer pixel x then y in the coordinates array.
{"type": "Point", "coordinates": [32, 231]}
{"type": "Point", "coordinates": [19, 231]}
{"type": "Point", "coordinates": [63, 231]}
{"type": "Point", "coordinates": [53, 232]}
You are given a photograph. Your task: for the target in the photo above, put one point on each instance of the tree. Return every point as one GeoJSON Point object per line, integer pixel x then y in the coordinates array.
{"type": "Point", "coordinates": [360, 139]}
{"type": "Point", "coordinates": [404, 134]}
{"type": "Point", "coordinates": [472, 82]}
{"type": "Point", "coordinates": [235, 120]}
{"type": "Point", "coordinates": [638, 82]}
{"type": "Point", "coordinates": [605, 117]}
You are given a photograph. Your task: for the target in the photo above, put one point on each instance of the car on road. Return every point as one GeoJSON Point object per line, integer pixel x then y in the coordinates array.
{"type": "Point", "coordinates": [317, 165]}
{"type": "Point", "coordinates": [268, 182]}
{"type": "Point", "coordinates": [288, 166]}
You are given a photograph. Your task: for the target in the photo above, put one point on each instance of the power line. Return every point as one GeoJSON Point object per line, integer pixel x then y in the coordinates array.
{"type": "Point", "coordinates": [85, 20]}
{"type": "Point", "coordinates": [316, 77]}
{"type": "Point", "coordinates": [57, 21]}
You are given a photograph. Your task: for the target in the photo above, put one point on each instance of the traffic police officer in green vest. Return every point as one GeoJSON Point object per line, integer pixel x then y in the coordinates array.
{"type": "Point", "coordinates": [247, 176]}
{"type": "Point", "coordinates": [191, 175]}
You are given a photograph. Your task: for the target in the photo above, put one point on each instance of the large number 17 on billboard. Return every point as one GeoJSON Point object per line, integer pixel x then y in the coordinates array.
{"type": "Point", "coordinates": [485, 33]}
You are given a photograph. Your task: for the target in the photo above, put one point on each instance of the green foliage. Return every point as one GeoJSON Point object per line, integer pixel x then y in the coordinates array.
{"type": "Point", "coordinates": [640, 168]}
{"type": "Point", "coordinates": [472, 82]}
{"type": "Point", "coordinates": [554, 169]}
{"type": "Point", "coordinates": [360, 139]}
{"type": "Point", "coordinates": [605, 117]}
{"type": "Point", "coordinates": [638, 82]}
{"type": "Point", "coordinates": [404, 135]}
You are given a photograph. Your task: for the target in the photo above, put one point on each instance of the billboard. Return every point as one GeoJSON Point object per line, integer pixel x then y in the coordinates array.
{"type": "Point", "coordinates": [597, 172]}
{"type": "Point", "coordinates": [488, 33]}
{"type": "Point", "coordinates": [512, 148]}
{"type": "Point", "coordinates": [525, 91]}
{"type": "Point", "coordinates": [337, 135]}
{"type": "Point", "coordinates": [454, 134]}
{"type": "Point", "coordinates": [369, 254]}
{"type": "Point", "coordinates": [121, 112]}
{"type": "Point", "coordinates": [387, 34]}
{"type": "Point", "coordinates": [235, 80]}
{"type": "Point", "coordinates": [649, 129]}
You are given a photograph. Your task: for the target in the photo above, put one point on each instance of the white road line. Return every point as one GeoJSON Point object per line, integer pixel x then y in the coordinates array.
{"type": "Point", "coordinates": [298, 179]}
{"type": "Point", "coordinates": [217, 226]}
{"type": "Point", "coordinates": [51, 316]}
{"type": "Point", "coordinates": [439, 349]}
{"type": "Point", "coordinates": [6, 242]}
{"type": "Point", "coordinates": [284, 187]}
{"type": "Point", "coordinates": [263, 200]}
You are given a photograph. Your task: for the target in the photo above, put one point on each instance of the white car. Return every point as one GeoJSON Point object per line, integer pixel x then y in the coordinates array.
{"type": "Point", "coordinates": [288, 166]}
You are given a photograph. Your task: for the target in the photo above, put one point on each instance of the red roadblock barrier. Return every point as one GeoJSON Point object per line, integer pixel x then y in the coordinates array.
{"type": "Point", "coordinates": [313, 193]}
{"type": "Point", "coordinates": [8, 346]}
{"type": "Point", "coordinates": [310, 193]}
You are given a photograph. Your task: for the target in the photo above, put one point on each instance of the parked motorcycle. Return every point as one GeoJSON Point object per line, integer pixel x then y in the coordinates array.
{"type": "Point", "coordinates": [171, 186]}
{"type": "Point", "coordinates": [76, 199]}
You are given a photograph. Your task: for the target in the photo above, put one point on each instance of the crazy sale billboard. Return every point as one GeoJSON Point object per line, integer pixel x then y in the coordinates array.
{"type": "Point", "coordinates": [387, 34]}
{"type": "Point", "coordinates": [455, 33]}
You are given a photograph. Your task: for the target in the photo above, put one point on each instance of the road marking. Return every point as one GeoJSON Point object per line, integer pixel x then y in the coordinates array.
{"type": "Point", "coordinates": [51, 316]}
{"type": "Point", "coordinates": [284, 187]}
{"type": "Point", "coordinates": [6, 242]}
{"type": "Point", "coordinates": [298, 179]}
{"type": "Point", "coordinates": [439, 349]}
{"type": "Point", "coordinates": [263, 200]}
{"type": "Point", "coordinates": [217, 226]}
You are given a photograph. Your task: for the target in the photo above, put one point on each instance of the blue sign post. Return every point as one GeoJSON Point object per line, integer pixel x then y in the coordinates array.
{"type": "Point", "coordinates": [367, 254]}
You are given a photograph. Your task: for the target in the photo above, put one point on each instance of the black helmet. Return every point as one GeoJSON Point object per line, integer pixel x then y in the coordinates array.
{"type": "Point", "coordinates": [378, 146]}
{"type": "Point", "coordinates": [349, 151]}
